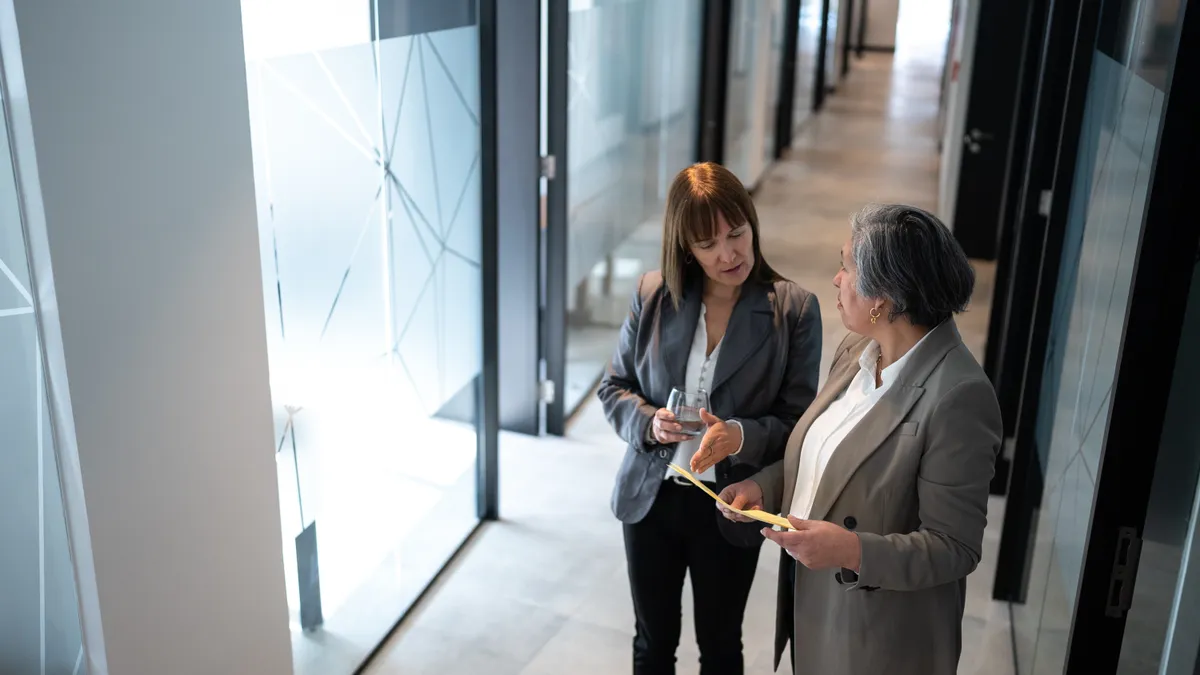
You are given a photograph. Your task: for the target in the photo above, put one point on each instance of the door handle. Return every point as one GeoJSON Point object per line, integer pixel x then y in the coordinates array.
{"type": "Point", "coordinates": [972, 140]}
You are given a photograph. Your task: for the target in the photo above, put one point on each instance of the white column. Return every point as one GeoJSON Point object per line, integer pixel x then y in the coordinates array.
{"type": "Point", "coordinates": [132, 143]}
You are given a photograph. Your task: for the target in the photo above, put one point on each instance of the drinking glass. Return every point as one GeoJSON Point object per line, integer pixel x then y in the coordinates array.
{"type": "Point", "coordinates": [686, 405]}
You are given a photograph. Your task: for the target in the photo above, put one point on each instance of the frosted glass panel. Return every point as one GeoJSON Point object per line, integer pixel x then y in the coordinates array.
{"type": "Point", "coordinates": [39, 615]}
{"type": "Point", "coordinates": [366, 135]}
{"type": "Point", "coordinates": [632, 115]}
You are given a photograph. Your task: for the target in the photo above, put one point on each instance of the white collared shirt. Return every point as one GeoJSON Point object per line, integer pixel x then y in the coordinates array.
{"type": "Point", "coordinates": [701, 367]}
{"type": "Point", "coordinates": [839, 419]}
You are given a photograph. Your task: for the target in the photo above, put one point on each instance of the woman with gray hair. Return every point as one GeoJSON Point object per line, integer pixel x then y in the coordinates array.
{"type": "Point", "coordinates": [885, 478]}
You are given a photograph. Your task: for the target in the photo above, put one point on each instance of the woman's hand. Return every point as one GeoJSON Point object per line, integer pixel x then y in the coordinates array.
{"type": "Point", "coordinates": [720, 441]}
{"type": "Point", "coordinates": [746, 496]}
{"type": "Point", "coordinates": [818, 544]}
{"type": "Point", "coordinates": [665, 429]}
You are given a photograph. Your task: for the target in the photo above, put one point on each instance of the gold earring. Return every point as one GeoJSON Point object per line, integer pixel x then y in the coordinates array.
{"type": "Point", "coordinates": [875, 314]}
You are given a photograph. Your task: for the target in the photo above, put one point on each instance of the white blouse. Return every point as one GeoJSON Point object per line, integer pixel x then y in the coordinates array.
{"type": "Point", "coordinates": [700, 370]}
{"type": "Point", "coordinates": [839, 419]}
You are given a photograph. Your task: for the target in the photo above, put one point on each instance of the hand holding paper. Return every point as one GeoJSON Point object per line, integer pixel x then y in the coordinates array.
{"type": "Point", "coordinates": [754, 514]}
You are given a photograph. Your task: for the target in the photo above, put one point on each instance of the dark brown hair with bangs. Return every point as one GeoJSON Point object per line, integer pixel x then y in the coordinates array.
{"type": "Point", "coordinates": [697, 195]}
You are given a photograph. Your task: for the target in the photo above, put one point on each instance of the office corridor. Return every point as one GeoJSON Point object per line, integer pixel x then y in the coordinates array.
{"type": "Point", "coordinates": [544, 591]}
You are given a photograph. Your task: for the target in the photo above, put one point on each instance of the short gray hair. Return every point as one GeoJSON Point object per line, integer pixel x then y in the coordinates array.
{"type": "Point", "coordinates": [907, 256]}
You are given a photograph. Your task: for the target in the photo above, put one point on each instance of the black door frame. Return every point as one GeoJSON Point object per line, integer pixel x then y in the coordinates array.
{"type": "Point", "coordinates": [1016, 183]}
{"type": "Point", "coordinates": [487, 498]}
{"type": "Point", "coordinates": [1167, 254]}
{"type": "Point", "coordinates": [848, 40]}
{"type": "Point", "coordinates": [554, 313]}
{"type": "Point", "coordinates": [1017, 174]}
{"type": "Point", "coordinates": [714, 80]}
{"type": "Point", "coordinates": [860, 48]}
{"type": "Point", "coordinates": [785, 111]}
{"type": "Point", "coordinates": [1049, 165]}
{"type": "Point", "coordinates": [820, 86]}
{"type": "Point", "coordinates": [517, 275]}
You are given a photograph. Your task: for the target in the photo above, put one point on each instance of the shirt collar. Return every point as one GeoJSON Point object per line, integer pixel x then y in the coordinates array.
{"type": "Point", "coordinates": [870, 355]}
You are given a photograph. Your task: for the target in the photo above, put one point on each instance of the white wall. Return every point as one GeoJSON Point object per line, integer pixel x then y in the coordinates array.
{"type": "Point", "coordinates": [141, 216]}
{"type": "Point", "coordinates": [957, 93]}
{"type": "Point", "coordinates": [881, 22]}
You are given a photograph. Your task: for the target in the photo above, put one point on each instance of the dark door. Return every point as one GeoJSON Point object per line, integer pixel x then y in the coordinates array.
{"type": "Point", "coordinates": [995, 78]}
{"type": "Point", "coordinates": [1027, 269]}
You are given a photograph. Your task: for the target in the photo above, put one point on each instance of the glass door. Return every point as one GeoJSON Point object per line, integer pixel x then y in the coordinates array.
{"type": "Point", "coordinates": [1105, 380]}
{"type": "Point", "coordinates": [365, 122]}
{"type": "Point", "coordinates": [622, 120]}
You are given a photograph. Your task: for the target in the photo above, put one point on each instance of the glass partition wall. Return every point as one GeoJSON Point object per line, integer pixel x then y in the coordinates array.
{"type": "Point", "coordinates": [752, 91]}
{"type": "Point", "coordinates": [365, 121]}
{"type": "Point", "coordinates": [39, 610]}
{"type": "Point", "coordinates": [1119, 142]}
{"type": "Point", "coordinates": [632, 115]}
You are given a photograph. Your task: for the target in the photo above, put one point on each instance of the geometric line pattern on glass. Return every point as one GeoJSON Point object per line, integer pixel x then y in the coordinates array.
{"type": "Point", "coordinates": [40, 440]}
{"type": "Point", "coordinates": [434, 236]}
{"type": "Point", "coordinates": [8, 274]}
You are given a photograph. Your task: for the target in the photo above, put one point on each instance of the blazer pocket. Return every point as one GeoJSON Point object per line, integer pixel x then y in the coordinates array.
{"type": "Point", "coordinates": [909, 428]}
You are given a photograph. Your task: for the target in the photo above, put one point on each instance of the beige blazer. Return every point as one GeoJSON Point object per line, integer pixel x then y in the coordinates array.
{"type": "Point", "coordinates": [912, 479]}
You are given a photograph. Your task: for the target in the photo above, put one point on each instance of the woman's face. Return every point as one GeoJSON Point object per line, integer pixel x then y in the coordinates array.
{"type": "Point", "coordinates": [728, 257]}
{"type": "Point", "coordinates": [855, 309]}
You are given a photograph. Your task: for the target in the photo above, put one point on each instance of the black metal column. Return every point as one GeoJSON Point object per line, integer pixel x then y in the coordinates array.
{"type": "Point", "coordinates": [517, 94]}
{"type": "Point", "coordinates": [714, 79]}
{"type": "Point", "coordinates": [785, 111]}
{"type": "Point", "coordinates": [487, 464]}
{"type": "Point", "coordinates": [820, 86]}
{"type": "Point", "coordinates": [554, 314]}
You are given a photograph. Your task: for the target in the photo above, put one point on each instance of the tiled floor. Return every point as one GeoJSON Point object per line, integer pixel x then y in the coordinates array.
{"type": "Point", "coordinates": [544, 591]}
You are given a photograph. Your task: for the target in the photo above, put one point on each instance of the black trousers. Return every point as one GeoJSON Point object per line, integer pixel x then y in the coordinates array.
{"type": "Point", "coordinates": [680, 535]}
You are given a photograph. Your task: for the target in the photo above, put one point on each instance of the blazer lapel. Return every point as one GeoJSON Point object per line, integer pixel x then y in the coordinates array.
{"type": "Point", "coordinates": [862, 442]}
{"type": "Point", "coordinates": [750, 325]}
{"type": "Point", "coordinates": [882, 420]}
{"type": "Point", "coordinates": [676, 333]}
{"type": "Point", "coordinates": [838, 381]}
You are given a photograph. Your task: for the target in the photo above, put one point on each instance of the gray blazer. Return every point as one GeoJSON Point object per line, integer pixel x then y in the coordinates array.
{"type": "Point", "coordinates": [766, 375]}
{"type": "Point", "coordinates": [912, 479]}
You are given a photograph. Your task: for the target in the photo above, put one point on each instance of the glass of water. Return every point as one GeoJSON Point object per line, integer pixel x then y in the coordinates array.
{"type": "Point", "coordinates": [686, 405]}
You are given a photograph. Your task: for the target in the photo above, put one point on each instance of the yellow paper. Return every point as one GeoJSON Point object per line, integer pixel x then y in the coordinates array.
{"type": "Point", "coordinates": [761, 516]}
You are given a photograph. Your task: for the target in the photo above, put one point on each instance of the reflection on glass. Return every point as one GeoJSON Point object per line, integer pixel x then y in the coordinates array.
{"type": "Point", "coordinates": [1114, 164]}
{"type": "Point", "coordinates": [365, 130]}
{"type": "Point", "coordinates": [632, 125]}
{"type": "Point", "coordinates": [833, 49]}
{"type": "Point", "coordinates": [39, 610]}
{"type": "Point", "coordinates": [807, 38]}
{"type": "Point", "coordinates": [1162, 627]}
{"type": "Point", "coordinates": [752, 87]}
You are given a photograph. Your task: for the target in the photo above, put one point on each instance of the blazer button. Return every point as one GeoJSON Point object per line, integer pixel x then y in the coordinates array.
{"type": "Point", "coordinates": [850, 522]}
{"type": "Point", "coordinates": [663, 453]}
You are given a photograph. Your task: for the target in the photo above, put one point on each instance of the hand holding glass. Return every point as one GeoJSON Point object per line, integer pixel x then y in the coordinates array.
{"type": "Point", "coordinates": [686, 406]}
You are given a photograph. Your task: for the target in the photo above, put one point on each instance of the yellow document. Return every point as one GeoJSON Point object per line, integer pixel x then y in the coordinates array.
{"type": "Point", "coordinates": [761, 516]}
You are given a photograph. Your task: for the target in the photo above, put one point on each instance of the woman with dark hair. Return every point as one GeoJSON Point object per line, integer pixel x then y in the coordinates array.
{"type": "Point", "coordinates": [717, 319]}
{"type": "Point", "coordinates": [885, 478]}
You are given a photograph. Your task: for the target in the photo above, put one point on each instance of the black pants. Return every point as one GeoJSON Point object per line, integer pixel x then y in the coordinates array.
{"type": "Point", "coordinates": [679, 535]}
